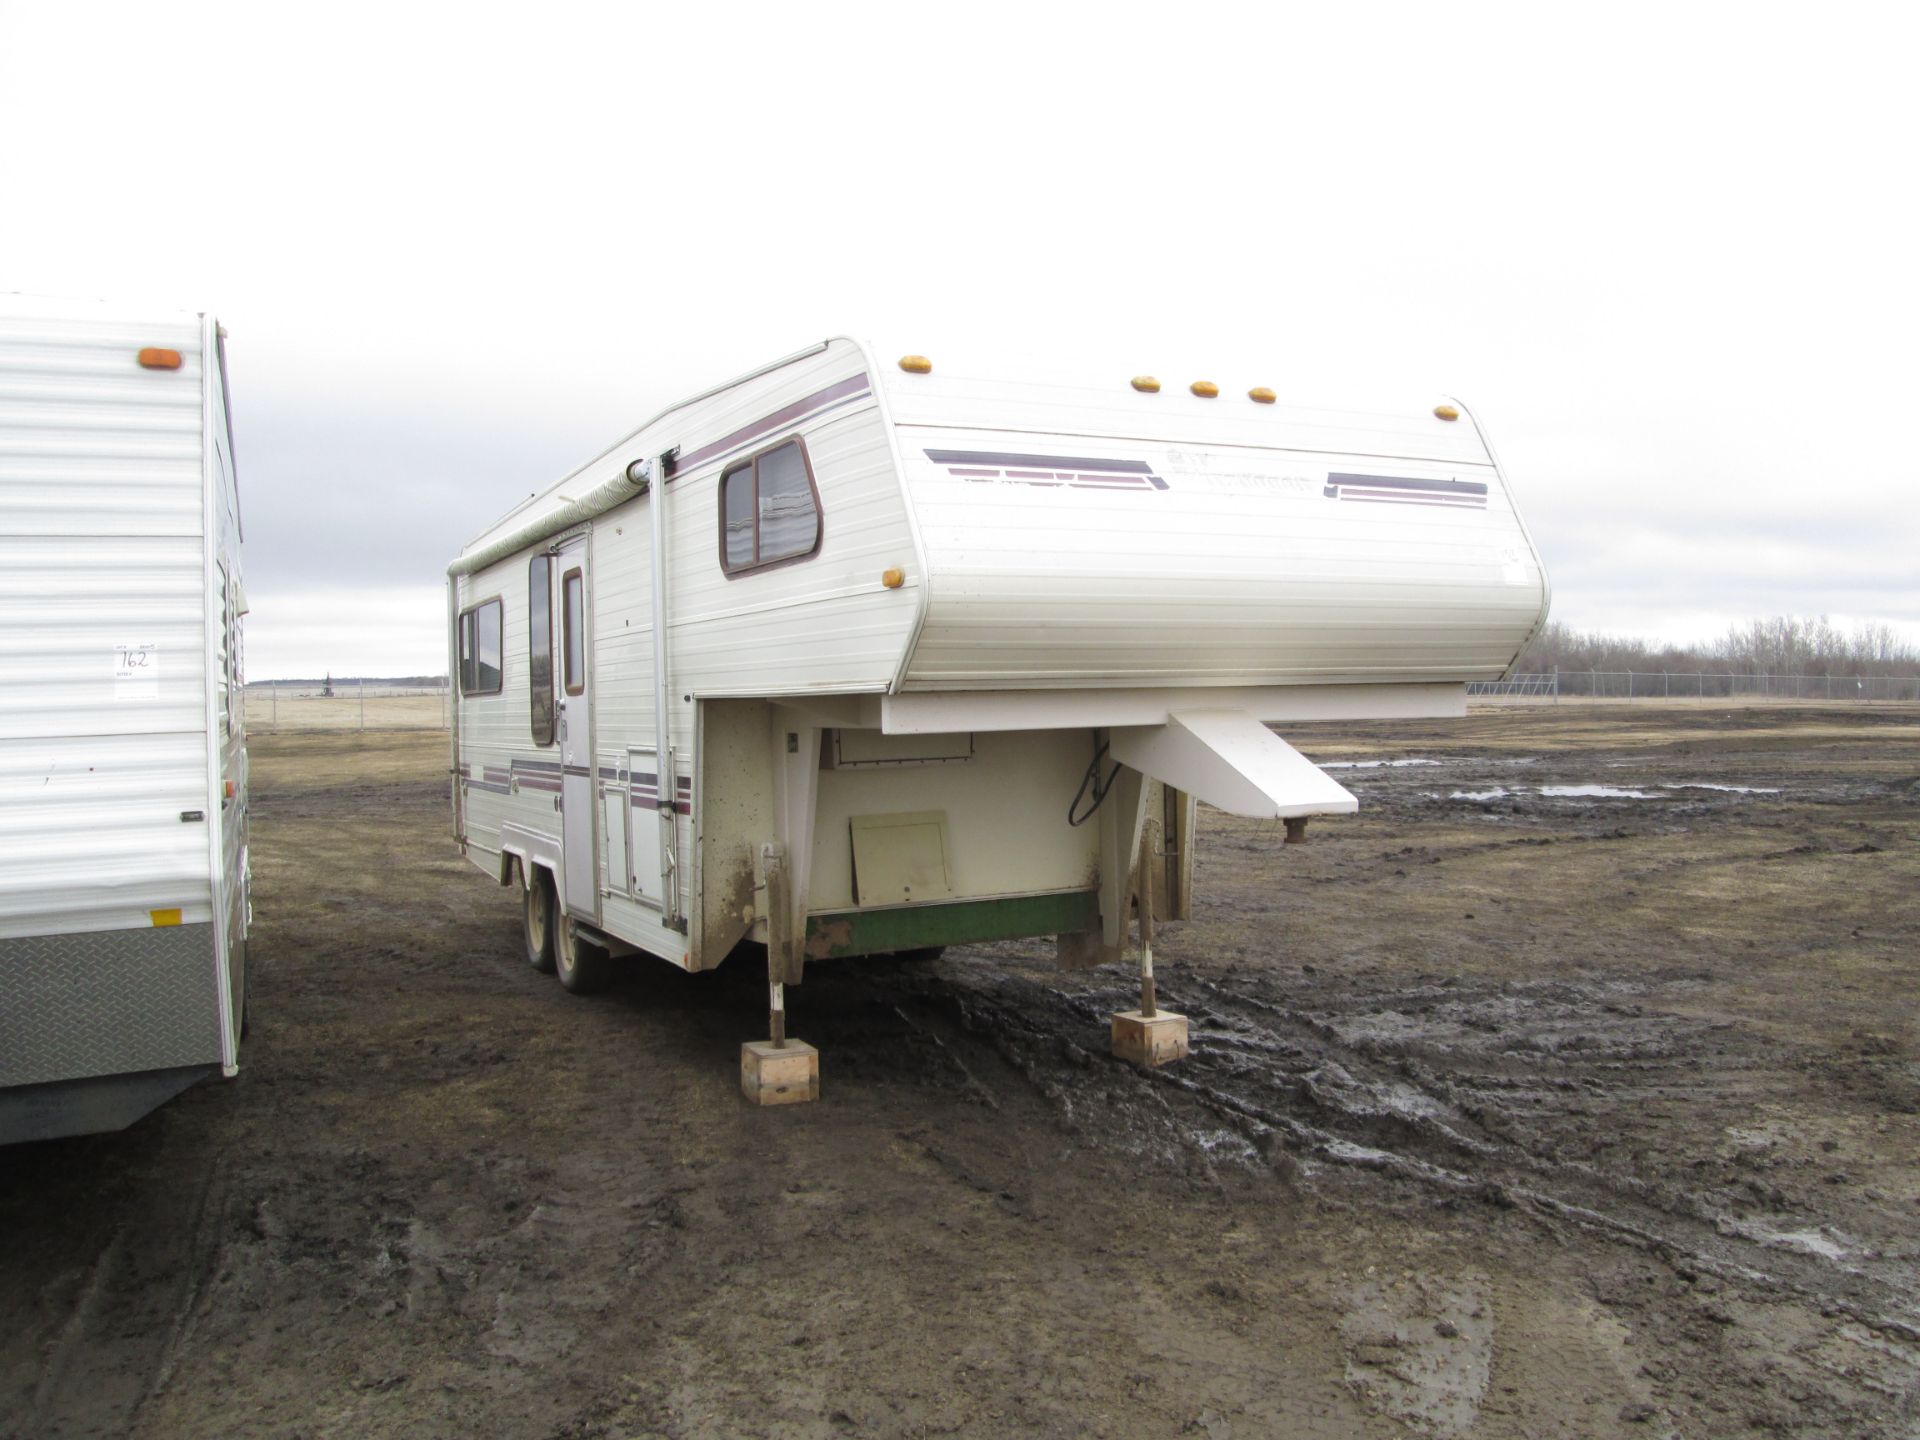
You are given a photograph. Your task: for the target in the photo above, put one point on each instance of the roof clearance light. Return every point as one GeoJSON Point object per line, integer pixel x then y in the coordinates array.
{"type": "Point", "coordinates": [1260, 395]}
{"type": "Point", "coordinates": [1446, 412]}
{"type": "Point", "coordinates": [916, 364]}
{"type": "Point", "coordinates": [893, 577]}
{"type": "Point", "coordinates": [154, 358]}
{"type": "Point", "coordinates": [1205, 389]}
{"type": "Point", "coordinates": [1146, 384]}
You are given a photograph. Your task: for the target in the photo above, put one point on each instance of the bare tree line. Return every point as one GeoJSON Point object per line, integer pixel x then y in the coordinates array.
{"type": "Point", "coordinates": [1782, 645]}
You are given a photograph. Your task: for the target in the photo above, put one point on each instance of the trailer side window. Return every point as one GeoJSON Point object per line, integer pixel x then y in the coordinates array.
{"type": "Point", "coordinates": [574, 622]}
{"type": "Point", "coordinates": [480, 649]}
{"type": "Point", "coordinates": [540, 647]}
{"type": "Point", "coordinates": [769, 510]}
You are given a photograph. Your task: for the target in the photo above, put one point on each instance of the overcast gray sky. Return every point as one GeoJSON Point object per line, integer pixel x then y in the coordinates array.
{"type": "Point", "coordinates": [1668, 253]}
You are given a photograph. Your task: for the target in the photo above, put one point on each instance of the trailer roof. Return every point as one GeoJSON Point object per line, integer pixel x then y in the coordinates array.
{"type": "Point", "coordinates": [1116, 407]}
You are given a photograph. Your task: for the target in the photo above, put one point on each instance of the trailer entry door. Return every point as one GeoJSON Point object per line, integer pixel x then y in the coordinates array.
{"type": "Point", "coordinates": [576, 737]}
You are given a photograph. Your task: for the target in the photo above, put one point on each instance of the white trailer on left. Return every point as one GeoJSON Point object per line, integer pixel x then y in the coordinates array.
{"type": "Point", "coordinates": [123, 765]}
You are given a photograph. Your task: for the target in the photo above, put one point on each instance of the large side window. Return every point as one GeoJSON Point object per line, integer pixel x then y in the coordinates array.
{"type": "Point", "coordinates": [574, 622]}
{"type": "Point", "coordinates": [480, 649]}
{"type": "Point", "coordinates": [540, 647]}
{"type": "Point", "coordinates": [769, 510]}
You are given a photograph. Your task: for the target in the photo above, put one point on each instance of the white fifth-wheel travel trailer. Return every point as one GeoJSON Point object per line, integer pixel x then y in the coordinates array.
{"type": "Point", "coordinates": [123, 768]}
{"type": "Point", "coordinates": [851, 655]}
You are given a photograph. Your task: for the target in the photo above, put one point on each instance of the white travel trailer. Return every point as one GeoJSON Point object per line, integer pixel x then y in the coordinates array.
{"type": "Point", "coordinates": [851, 655]}
{"type": "Point", "coordinates": [123, 769]}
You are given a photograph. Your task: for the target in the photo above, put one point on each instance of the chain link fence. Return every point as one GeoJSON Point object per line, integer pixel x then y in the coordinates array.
{"type": "Point", "coordinates": [344, 705]}
{"type": "Point", "coordinates": [1697, 685]}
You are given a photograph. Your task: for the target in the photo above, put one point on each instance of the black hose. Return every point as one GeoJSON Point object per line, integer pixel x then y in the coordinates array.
{"type": "Point", "coordinates": [1091, 780]}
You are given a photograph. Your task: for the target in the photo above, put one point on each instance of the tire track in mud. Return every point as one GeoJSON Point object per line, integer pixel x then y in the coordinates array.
{"type": "Point", "coordinates": [1281, 1077]}
{"type": "Point", "coordinates": [132, 1317]}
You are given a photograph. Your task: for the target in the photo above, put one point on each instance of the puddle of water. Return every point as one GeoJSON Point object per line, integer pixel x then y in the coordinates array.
{"type": "Point", "coordinates": [1356, 1154]}
{"type": "Point", "coordinates": [1809, 1242]}
{"type": "Point", "coordinates": [1823, 1241]}
{"type": "Point", "coordinates": [1561, 792]}
{"type": "Point", "coordinates": [1227, 1143]}
{"type": "Point", "coordinates": [1728, 789]}
{"type": "Point", "coordinates": [1598, 792]}
{"type": "Point", "coordinates": [1373, 764]}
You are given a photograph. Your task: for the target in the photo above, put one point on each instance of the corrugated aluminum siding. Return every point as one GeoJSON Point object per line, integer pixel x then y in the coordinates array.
{"type": "Point", "coordinates": [101, 523]}
{"type": "Point", "coordinates": [1220, 551]}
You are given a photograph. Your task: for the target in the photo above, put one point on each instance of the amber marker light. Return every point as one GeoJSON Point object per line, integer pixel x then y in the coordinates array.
{"type": "Point", "coordinates": [155, 358]}
{"type": "Point", "coordinates": [1205, 389]}
{"type": "Point", "coordinates": [1146, 384]}
{"type": "Point", "coordinates": [1260, 395]}
{"type": "Point", "coordinates": [1446, 412]}
{"type": "Point", "coordinates": [893, 577]}
{"type": "Point", "coordinates": [916, 364]}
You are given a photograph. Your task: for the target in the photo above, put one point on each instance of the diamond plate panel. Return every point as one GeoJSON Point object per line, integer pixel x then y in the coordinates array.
{"type": "Point", "coordinates": [107, 1003]}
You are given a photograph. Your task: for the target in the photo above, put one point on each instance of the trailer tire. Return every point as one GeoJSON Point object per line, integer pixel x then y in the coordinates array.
{"type": "Point", "coordinates": [585, 968]}
{"type": "Point", "coordinates": [537, 920]}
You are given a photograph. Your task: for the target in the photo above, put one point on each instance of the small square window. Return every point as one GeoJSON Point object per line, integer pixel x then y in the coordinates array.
{"type": "Point", "coordinates": [769, 510]}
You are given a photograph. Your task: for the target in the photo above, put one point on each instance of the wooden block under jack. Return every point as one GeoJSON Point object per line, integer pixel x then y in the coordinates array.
{"type": "Point", "coordinates": [779, 1074]}
{"type": "Point", "coordinates": [1156, 1039]}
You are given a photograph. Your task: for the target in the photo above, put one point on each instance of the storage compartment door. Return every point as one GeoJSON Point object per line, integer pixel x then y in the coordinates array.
{"type": "Point", "coordinates": [643, 828]}
{"type": "Point", "coordinates": [901, 859]}
{"type": "Point", "coordinates": [613, 825]}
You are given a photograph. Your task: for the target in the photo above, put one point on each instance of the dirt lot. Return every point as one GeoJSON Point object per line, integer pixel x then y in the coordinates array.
{"type": "Point", "coordinates": [1510, 1113]}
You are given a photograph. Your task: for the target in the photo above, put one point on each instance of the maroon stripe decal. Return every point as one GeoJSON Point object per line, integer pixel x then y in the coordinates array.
{"type": "Point", "coordinates": [1004, 459]}
{"type": "Point", "coordinates": [1082, 474]}
{"type": "Point", "coordinates": [847, 389]}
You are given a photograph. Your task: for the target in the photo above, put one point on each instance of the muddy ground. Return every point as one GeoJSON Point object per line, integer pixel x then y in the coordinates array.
{"type": "Point", "coordinates": [1510, 1113]}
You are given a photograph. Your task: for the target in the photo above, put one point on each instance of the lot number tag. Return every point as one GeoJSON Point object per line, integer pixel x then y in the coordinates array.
{"type": "Point", "coordinates": [136, 672]}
